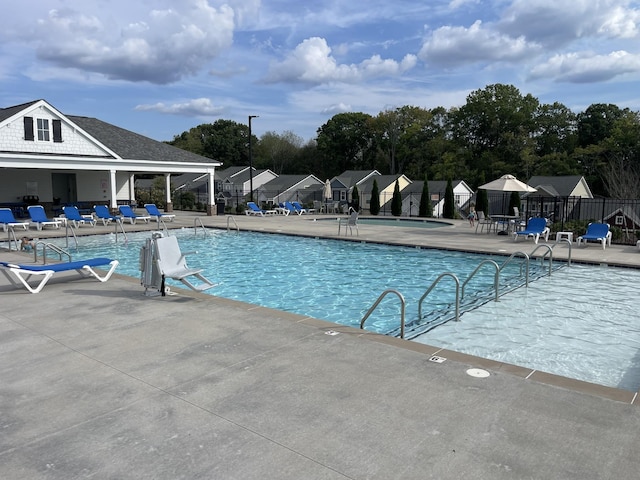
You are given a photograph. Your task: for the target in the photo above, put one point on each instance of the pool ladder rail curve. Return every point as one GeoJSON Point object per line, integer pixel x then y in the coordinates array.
{"type": "Point", "coordinates": [460, 290]}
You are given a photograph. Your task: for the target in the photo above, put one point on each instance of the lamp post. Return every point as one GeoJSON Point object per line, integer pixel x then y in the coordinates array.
{"type": "Point", "coordinates": [251, 161]}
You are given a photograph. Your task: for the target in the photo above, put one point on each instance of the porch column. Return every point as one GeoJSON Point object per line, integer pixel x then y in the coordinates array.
{"type": "Point", "coordinates": [167, 189]}
{"type": "Point", "coordinates": [113, 202]}
{"type": "Point", "coordinates": [132, 189]}
{"type": "Point", "coordinates": [211, 201]}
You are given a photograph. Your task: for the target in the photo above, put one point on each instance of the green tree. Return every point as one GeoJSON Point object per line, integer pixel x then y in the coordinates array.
{"type": "Point", "coordinates": [396, 201]}
{"type": "Point", "coordinates": [426, 208]}
{"type": "Point", "coordinates": [345, 142]}
{"type": "Point", "coordinates": [278, 151]}
{"type": "Point", "coordinates": [355, 199]}
{"type": "Point", "coordinates": [449, 208]}
{"type": "Point", "coordinates": [374, 205]}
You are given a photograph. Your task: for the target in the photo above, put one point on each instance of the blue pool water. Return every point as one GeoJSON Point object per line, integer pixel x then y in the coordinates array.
{"type": "Point", "coordinates": [338, 281]}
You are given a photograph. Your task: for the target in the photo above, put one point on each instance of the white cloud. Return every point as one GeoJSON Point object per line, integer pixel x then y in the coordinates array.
{"type": "Point", "coordinates": [555, 23]}
{"type": "Point", "coordinates": [311, 62]}
{"type": "Point", "coordinates": [587, 67]}
{"type": "Point", "coordinates": [193, 108]}
{"type": "Point", "coordinates": [164, 47]}
{"type": "Point", "coordinates": [452, 46]}
{"type": "Point", "coordinates": [337, 108]}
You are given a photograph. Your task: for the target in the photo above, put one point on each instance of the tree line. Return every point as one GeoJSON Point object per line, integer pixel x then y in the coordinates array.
{"type": "Point", "coordinates": [498, 130]}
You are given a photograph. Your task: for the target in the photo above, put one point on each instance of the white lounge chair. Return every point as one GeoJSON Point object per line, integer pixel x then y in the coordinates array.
{"type": "Point", "coordinates": [596, 231]}
{"type": "Point", "coordinates": [39, 217]}
{"type": "Point", "coordinates": [156, 214]}
{"type": "Point", "coordinates": [19, 275]}
{"type": "Point", "coordinates": [172, 264]}
{"type": "Point", "coordinates": [72, 214]}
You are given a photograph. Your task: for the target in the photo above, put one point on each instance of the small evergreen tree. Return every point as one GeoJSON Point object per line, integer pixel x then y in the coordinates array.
{"type": "Point", "coordinates": [374, 205]}
{"type": "Point", "coordinates": [355, 199]}
{"type": "Point", "coordinates": [482, 199]}
{"type": "Point", "coordinates": [449, 209]}
{"type": "Point", "coordinates": [426, 209]}
{"type": "Point", "coordinates": [396, 201]}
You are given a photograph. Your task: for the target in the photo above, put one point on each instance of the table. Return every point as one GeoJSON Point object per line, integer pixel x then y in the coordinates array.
{"type": "Point", "coordinates": [567, 235]}
{"type": "Point", "coordinates": [504, 219]}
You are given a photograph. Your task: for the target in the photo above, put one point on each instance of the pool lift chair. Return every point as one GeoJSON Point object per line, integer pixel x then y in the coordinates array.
{"type": "Point", "coordinates": [161, 258]}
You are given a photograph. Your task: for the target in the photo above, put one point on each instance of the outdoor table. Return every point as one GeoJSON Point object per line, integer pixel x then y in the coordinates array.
{"type": "Point", "coordinates": [504, 219]}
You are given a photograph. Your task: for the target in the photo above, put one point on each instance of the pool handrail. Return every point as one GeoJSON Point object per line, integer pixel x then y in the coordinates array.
{"type": "Point", "coordinates": [435, 282]}
{"type": "Point", "coordinates": [230, 217]}
{"type": "Point", "coordinates": [196, 221]}
{"type": "Point", "coordinates": [377, 302]}
{"type": "Point", "coordinates": [567, 241]}
{"type": "Point", "coordinates": [548, 252]}
{"type": "Point", "coordinates": [496, 278]}
{"type": "Point", "coordinates": [46, 245]}
{"type": "Point", "coordinates": [514, 255]}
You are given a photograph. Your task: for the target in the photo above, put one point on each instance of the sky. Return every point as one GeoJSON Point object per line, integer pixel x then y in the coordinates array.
{"type": "Point", "coordinates": [161, 67]}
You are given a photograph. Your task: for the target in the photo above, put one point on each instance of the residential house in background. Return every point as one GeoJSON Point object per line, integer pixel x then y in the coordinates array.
{"type": "Point", "coordinates": [342, 185]}
{"type": "Point", "coordinates": [386, 185]}
{"type": "Point", "coordinates": [286, 188]}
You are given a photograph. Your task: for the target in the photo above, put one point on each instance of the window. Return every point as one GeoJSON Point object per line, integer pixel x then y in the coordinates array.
{"type": "Point", "coordinates": [43, 129]}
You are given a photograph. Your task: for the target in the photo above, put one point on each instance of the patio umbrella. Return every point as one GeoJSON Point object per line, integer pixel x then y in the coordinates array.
{"type": "Point", "coordinates": [327, 194]}
{"type": "Point", "coordinates": [507, 183]}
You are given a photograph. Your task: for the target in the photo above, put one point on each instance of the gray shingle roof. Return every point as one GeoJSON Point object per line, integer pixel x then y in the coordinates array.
{"type": "Point", "coordinates": [132, 146]}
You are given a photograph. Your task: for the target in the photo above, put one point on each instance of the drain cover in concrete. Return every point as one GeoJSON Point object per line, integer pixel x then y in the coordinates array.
{"type": "Point", "coordinates": [478, 373]}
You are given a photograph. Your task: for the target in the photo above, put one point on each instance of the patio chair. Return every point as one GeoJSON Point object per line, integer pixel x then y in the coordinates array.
{"type": "Point", "coordinates": [482, 221]}
{"type": "Point", "coordinates": [104, 214]}
{"type": "Point", "coordinates": [350, 223]}
{"type": "Point", "coordinates": [127, 213]}
{"type": "Point", "coordinates": [172, 264]}
{"type": "Point", "coordinates": [8, 221]}
{"type": "Point", "coordinates": [39, 217]}
{"type": "Point", "coordinates": [536, 227]}
{"type": "Point", "coordinates": [299, 207]}
{"type": "Point", "coordinates": [72, 214]}
{"type": "Point", "coordinates": [19, 275]}
{"type": "Point", "coordinates": [596, 231]}
{"type": "Point", "coordinates": [156, 214]}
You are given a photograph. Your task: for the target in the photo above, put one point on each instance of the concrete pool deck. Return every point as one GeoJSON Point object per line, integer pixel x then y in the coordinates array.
{"type": "Point", "coordinates": [97, 380]}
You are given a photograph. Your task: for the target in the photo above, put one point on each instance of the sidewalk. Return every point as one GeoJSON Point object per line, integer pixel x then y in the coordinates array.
{"type": "Point", "coordinates": [99, 381]}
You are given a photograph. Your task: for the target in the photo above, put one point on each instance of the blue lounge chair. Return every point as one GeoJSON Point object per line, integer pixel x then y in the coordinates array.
{"type": "Point", "coordinates": [156, 214]}
{"type": "Point", "coordinates": [9, 221]}
{"type": "Point", "coordinates": [254, 209]}
{"type": "Point", "coordinates": [72, 214]}
{"type": "Point", "coordinates": [104, 214]}
{"type": "Point", "coordinates": [536, 227]}
{"type": "Point", "coordinates": [128, 213]}
{"type": "Point", "coordinates": [298, 206]}
{"type": "Point", "coordinates": [19, 275]}
{"type": "Point", "coordinates": [39, 217]}
{"type": "Point", "coordinates": [596, 231]}
{"type": "Point", "coordinates": [292, 209]}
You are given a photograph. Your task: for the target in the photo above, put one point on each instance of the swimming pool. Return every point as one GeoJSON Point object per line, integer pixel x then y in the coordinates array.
{"type": "Point", "coordinates": [338, 281]}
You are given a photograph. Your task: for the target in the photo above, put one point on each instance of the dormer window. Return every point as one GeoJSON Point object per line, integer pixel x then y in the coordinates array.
{"type": "Point", "coordinates": [43, 129]}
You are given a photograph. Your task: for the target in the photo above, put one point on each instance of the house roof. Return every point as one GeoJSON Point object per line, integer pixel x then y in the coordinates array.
{"type": "Point", "coordinates": [349, 178]}
{"type": "Point", "coordinates": [286, 182]}
{"type": "Point", "coordinates": [129, 145]}
{"type": "Point", "coordinates": [564, 185]}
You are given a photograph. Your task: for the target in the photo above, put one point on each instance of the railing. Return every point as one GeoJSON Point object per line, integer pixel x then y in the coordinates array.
{"type": "Point", "coordinates": [68, 226]}
{"type": "Point", "coordinates": [197, 221]}
{"type": "Point", "coordinates": [549, 252]}
{"type": "Point", "coordinates": [11, 233]}
{"type": "Point", "coordinates": [377, 302]}
{"type": "Point", "coordinates": [119, 222]}
{"type": "Point", "coordinates": [496, 279]}
{"type": "Point", "coordinates": [229, 218]}
{"type": "Point", "coordinates": [50, 246]}
{"type": "Point", "coordinates": [512, 257]}
{"type": "Point", "coordinates": [436, 281]}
